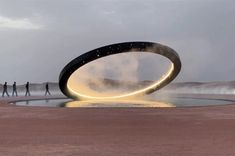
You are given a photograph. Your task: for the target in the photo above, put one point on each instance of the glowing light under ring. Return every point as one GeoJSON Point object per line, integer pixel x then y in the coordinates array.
{"type": "Point", "coordinates": [92, 55]}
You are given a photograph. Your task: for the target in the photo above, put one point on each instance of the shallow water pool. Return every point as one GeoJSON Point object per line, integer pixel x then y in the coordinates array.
{"type": "Point", "coordinates": [170, 102]}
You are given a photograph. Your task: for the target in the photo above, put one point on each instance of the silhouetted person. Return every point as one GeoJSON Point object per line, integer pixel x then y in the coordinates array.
{"type": "Point", "coordinates": [47, 89]}
{"type": "Point", "coordinates": [14, 90]}
{"type": "Point", "coordinates": [27, 89]}
{"type": "Point", "coordinates": [5, 90]}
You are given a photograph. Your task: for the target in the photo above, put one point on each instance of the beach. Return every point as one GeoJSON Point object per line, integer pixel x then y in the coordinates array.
{"type": "Point", "coordinates": [182, 131]}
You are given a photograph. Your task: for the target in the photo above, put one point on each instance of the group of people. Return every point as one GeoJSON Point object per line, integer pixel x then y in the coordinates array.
{"type": "Point", "coordinates": [27, 93]}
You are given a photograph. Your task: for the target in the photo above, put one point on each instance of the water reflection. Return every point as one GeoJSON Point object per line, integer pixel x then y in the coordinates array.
{"type": "Point", "coordinates": [119, 103]}
{"type": "Point", "coordinates": [169, 102]}
{"type": "Point", "coordinates": [44, 103]}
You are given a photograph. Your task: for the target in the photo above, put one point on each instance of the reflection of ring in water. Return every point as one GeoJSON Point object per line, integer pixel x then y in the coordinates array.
{"type": "Point", "coordinates": [68, 88]}
{"type": "Point", "coordinates": [117, 103]}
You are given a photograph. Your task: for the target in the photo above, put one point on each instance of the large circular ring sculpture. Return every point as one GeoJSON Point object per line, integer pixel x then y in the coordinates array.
{"type": "Point", "coordinates": [92, 55]}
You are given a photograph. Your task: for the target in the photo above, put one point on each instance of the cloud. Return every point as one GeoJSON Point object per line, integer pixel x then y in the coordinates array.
{"type": "Point", "coordinates": [201, 31]}
{"type": "Point", "coordinates": [24, 23]}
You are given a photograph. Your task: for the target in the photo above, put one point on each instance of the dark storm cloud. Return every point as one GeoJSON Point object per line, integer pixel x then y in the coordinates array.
{"type": "Point", "coordinates": [48, 34]}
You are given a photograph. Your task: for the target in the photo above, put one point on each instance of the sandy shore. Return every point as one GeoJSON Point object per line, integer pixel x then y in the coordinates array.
{"type": "Point", "coordinates": [195, 131]}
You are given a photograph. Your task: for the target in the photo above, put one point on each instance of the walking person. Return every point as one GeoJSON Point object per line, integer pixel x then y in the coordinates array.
{"type": "Point", "coordinates": [27, 89]}
{"type": "Point", "coordinates": [47, 89]}
{"type": "Point", "coordinates": [5, 90]}
{"type": "Point", "coordinates": [14, 92]}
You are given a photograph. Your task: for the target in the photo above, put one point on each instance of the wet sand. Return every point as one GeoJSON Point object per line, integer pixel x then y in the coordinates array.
{"type": "Point", "coordinates": [192, 131]}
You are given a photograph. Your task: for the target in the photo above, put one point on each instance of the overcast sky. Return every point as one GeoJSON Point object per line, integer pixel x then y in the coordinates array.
{"type": "Point", "coordinates": [39, 37]}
